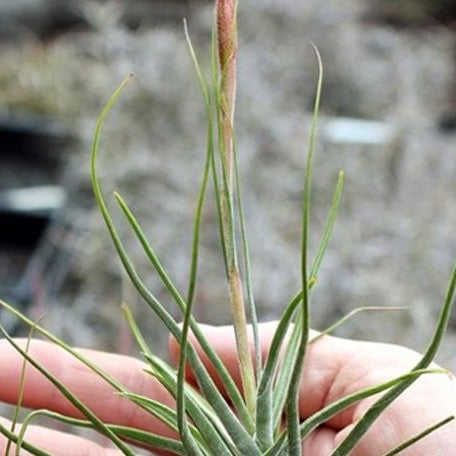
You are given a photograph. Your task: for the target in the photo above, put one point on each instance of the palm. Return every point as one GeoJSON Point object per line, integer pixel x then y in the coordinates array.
{"type": "Point", "coordinates": [333, 369]}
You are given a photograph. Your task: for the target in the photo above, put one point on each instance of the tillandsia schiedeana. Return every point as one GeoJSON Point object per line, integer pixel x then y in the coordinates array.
{"type": "Point", "coordinates": [259, 416]}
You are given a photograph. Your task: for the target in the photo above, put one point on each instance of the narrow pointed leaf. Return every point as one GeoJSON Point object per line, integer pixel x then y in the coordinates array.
{"type": "Point", "coordinates": [379, 406]}
{"type": "Point", "coordinates": [18, 405]}
{"type": "Point", "coordinates": [350, 315]}
{"type": "Point", "coordinates": [25, 445]}
{"type": "Point", "coordinates": [96, 422]}
{"type": "Point", "coordinates": [133, 435]}
{"type": "Point", "coordinates": [333, 211]}
{"type": "Point", "coordinates": [208, 431]}
{"type": "Point", "coordinates": [418, 437]}
{"type": "Point", "coordinates": [167, 377]}
{"type": "Point", "coordinates": [331, 410]}
{"type": "Point", "coordinates": [203, 377]}
{"type": "Point", "coordinates": [292, 409]}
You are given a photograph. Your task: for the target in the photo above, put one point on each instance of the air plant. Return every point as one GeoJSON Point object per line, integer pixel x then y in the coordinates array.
{"type": "Point", "coordinates": [248, 420]}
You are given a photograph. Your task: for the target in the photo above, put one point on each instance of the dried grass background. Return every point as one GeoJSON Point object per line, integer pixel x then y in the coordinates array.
{"type": "Point", "coordinates": [395, 239]}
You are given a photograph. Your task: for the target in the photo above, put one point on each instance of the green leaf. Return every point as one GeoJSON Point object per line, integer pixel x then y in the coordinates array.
{"type": "Point", "coordinates": [285, 320]}
{"type": "Point", "coordinates": [292, 401]}
{"type": "Point", "coordinates": [332, 216]}
{"type": "Point", "coordinates": [284, 378]}
{"type": "Point", "coordinates": [20, 397]}
{"type": "Point", "coordinates": [221, 369]}
{"type": "Point", "coordinates": [96, 422]}
{"type": "Point", "coordinates": [264, 425]}
{"type": "Point", "coordinates": [331, 410]}
{"type": "Point", "coordinates": [133, 435]}
{"type": "Point", "coordinates": [167, 377]}
{"type": "Point", "coordinates": [379, 406]}
{"type": "Point", "coordinates": [25, 445]}
{"type": "Point", "coordinates": [165, 414]}
{"type": "Point", "coordinates": [265, 401]}
{"type": "Point", "coordinates": [205, 418]}
{"type": "Point", "coordinates": [330, 329]}
{"type": "Point", "coordinates": [205, 381]}
{"type": "Point", "coordinates": [186, 437]}
{"type": "Point", "coordinates": [111, 381]}
{"type": "Point", "coordinates": [418, 437]}
{"type": "Point", "coordinates": [183, 426]}
{"type": "Point", "coordinates": [175, 329]}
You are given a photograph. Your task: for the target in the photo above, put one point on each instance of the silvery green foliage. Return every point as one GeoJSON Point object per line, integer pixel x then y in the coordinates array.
{"type": "Point", "coordinates": [206, 421]}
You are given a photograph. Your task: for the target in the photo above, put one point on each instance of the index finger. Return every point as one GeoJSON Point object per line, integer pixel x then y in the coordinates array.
{"type": "Point", "coordinates": [91, 389]}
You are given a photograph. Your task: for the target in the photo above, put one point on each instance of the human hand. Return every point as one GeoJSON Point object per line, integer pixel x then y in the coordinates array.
{"type": "Point", "coordinates": [334, 368]}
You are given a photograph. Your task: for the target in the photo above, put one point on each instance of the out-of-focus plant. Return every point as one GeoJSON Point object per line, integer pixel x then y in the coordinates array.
{"type": "Point", "coordinates": [249, 420]}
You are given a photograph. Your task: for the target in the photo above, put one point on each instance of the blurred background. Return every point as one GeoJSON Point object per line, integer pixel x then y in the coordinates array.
{"type": "Point", "coordinates": [388, 119]}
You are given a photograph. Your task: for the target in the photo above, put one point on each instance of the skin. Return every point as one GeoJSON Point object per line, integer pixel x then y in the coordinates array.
{"type": "Point", "coordinates": [334, 367]}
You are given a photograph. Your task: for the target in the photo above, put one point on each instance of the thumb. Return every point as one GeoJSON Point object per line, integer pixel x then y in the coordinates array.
{"type": "Point", "coordinates": [323, 360]}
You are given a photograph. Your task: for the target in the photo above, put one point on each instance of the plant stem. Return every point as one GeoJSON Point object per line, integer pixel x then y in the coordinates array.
{"type": "Point", "coordinates": [243, 347]}
{"type": "Point", "coordinates": [227, 46]}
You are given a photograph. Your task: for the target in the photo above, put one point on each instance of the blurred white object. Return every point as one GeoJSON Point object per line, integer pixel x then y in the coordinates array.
{"type": "Point", "coordinates": [46, 198]}
{"type": "Point", "coordinates": [357, 131]}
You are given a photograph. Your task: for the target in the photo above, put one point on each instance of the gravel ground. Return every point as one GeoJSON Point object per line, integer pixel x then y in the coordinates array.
{"type": "Point", "coordinates": [395, 241]}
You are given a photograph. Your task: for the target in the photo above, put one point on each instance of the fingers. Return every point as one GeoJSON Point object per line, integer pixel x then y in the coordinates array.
{"type": "Point", "coordinates": [333, 367]}
{"type": "Point", "coordinates": [93, 391]}
{"type": "Point", "coordinates": [57, 443]}
{"type": "Point", "coordinates": [222, 340]}
{"type": "Point", "coordinates": [320, 442]}
{"type": "Point", "coordinates": [428, 401]}
{"type": "Point", "coordinates": [324, 361]}
{"type": "Point", "coordinates": [326, 358]}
